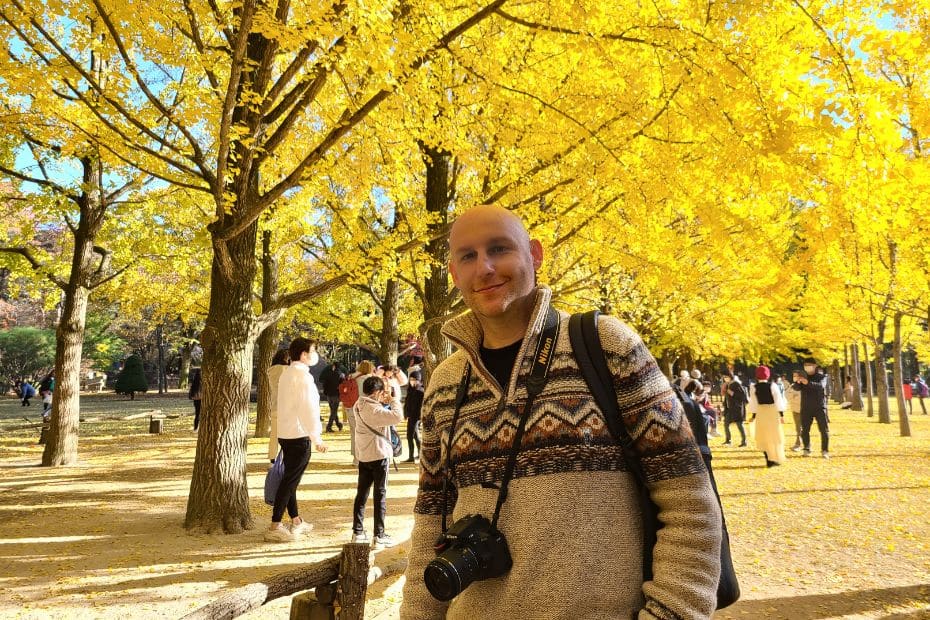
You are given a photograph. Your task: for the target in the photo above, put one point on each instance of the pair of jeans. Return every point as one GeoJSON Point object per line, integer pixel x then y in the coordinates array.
{"type": "Point", "coordinates": [296, 457]}
{"type": "Point", "coordinates": [333, 413]}
{"type": "Point", "coordinates": [823, 425]}
{"type": "Point", "coordinates": [371, 473]}
{"type": "Point", "coordinates": [413, 435]}
{"type": "Point", "coordinates": [739, 425]}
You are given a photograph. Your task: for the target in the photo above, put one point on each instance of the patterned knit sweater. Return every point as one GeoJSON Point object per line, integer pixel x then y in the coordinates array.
{"type": "Point", "coordinates": [572, 519]}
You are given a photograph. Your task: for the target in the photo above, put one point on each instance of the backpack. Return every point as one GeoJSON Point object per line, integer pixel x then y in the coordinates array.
{"type": "Point", "coordinates": [589, 353]}
{"type": "Point", "coordinates": [348, 392]}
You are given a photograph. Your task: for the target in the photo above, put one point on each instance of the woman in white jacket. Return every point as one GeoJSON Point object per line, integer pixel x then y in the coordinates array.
{"type": "Point", "coordinates": [375, 412]}
{"type": "Point", "coordinates": [767, 406]}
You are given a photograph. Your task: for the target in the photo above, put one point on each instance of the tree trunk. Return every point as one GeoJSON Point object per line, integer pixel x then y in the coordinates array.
{"type": "Point", "coordinates": [62, 442]}
{"type": "Point", "coordinates": [881, 375]}
{"type": "Point", "coordinates": [61, 447]}
{"type": "Point", "coordinates": [836, 385]}
{"type": "Point", "coordinates": [389, 330]}
{"type": "Point", "coordinates": [903, 419]}
{"type": "Point", "coordinates": [869, 380]}
{"type": "Point", "coordinates": [219, 493]}
{"type": "Point", "coordinates": [438, 299]}
{"type": "Point", "coordinates": [162, 380]}
{"type": "Point", "coordinates": [856, 374]}
{"type": "Point", "coordinates": [268, 340]}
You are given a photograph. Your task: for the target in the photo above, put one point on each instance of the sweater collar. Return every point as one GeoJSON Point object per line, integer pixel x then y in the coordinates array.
{"type": "Point", "coordinates": [466, 333]}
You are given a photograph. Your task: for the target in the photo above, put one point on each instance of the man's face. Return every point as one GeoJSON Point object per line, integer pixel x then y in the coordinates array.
{"type": "Point", "coordinates": [810, 368]}
{"type": "Point", "coordinates": [492, 261]}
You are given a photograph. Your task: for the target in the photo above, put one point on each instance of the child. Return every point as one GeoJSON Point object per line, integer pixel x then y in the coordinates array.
{"type": "Point", "coordinates": [46, 404]}
{"type": "Point", "coordinates": [375, 412]}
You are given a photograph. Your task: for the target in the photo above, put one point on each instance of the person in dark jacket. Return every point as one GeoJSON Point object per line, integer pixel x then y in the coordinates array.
{"type": "Point", "coordinates": [734, 409]}
{"type": "Point", "coordinates": [814, 407]}
{"type": "Point", "coordinates": [195, 394]}
{"type": "Point", "coordinates": [331, 378]}
{"type": "Point", "coordinates": [412, 406]}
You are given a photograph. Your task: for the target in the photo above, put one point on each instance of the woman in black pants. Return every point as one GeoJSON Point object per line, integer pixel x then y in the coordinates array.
{"type": "Point", "coordinates": [298, 408]}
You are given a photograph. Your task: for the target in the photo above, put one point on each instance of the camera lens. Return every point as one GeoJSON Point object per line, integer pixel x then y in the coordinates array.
{"type": "Point", "coordinates": [450, 573]}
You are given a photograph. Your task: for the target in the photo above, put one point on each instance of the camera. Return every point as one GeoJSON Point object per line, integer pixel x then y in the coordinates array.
{"type": "Point", "coordinates": [470, 550]}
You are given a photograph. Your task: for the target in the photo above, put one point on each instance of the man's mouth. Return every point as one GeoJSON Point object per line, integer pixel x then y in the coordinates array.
{"type": "Point", "coordinates": [488, 289]}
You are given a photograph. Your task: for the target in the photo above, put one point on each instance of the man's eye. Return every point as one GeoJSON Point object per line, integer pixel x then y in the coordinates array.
{"type": "Point", "coordinates": [466, 257]}
{"type": "Point", "coordinates": [497, 249]}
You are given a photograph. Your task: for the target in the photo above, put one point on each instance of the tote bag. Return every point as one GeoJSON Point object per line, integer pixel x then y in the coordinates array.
{"type": "Point", "coordinates": [273, 478]}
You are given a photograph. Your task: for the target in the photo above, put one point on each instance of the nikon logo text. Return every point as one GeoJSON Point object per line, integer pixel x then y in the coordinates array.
{"type": "Point", "coordinates": [545, 351]}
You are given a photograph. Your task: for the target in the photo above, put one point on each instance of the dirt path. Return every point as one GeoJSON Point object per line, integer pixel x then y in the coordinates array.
{"type": "Point", "coordinates": [845, 538]}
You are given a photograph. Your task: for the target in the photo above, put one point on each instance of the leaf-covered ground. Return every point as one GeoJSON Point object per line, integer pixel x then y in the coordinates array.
{"type": "Point", "coordinates": [844, 538]}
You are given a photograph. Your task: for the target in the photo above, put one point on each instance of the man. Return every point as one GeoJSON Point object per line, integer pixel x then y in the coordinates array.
{"type": "Point", "coordinates": [735, 400]}
{"type": "Point", "coordinates": [921, 391]}
{"type": "Point", "coordinates": [570, 517]}
{"type": "Point", "coordinates": [814, 407]}
{"type": "Point", "coordinates": [330, 379]}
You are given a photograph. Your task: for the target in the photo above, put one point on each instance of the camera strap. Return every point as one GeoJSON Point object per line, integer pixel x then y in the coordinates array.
{"type": "Point", "coordinates": [542, 360]}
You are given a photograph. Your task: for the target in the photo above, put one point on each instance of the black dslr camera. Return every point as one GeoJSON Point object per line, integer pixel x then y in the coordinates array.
{"type": "Point", "coordinates": [470, 550]}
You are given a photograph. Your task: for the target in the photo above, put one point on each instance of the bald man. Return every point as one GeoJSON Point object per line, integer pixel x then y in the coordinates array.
{"type": "Point", "coordinates": [563, 539]}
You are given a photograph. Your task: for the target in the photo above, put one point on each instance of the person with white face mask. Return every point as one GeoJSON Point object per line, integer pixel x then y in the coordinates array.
{"type": "Point", "coordinates": [814, 407]}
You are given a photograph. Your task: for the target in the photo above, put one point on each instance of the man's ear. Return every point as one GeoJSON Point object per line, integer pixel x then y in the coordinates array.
{"type": "Point", "coordinates": [536, 250]}
{"type": "Point", "coordinates": [455, 278]}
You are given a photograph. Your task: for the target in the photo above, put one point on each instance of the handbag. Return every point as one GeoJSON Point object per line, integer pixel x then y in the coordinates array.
{"type": "Point", "coordinates": [395, 442]}
{"type": "Point", "coordinates": [273, 478]}
{"type": "Point", "coordinates": [589, 353]}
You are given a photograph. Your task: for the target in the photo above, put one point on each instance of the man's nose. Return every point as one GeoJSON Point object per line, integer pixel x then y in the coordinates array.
{"type": "Point", "coordinates": [485, 263]}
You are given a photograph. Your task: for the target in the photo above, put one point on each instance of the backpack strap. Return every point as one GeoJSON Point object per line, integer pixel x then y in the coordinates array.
{"type": "Point", "coordinates": [589, 353]}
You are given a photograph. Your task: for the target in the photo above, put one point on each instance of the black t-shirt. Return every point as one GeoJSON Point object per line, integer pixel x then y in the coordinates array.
{"type": "Point", "coordinates": [500, 362]}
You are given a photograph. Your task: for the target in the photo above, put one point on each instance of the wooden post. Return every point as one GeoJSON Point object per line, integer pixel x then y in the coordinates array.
{"type": "Point", "coordinates": [155, 425]}
{"type": "Point", "coordinates": [353, 581]}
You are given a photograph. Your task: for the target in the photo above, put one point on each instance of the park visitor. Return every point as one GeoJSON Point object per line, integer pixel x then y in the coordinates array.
{"type": "Point", "coordinates": [298, 409]}
{"type": "Point", "coordinates": [735, 399]}
{"type": "Point", "coordinates": [279, 362]}
{"type": "Point", "coordinates": [375, 412]}
{"type": "Point", "coordinates": [813, 388]}
{"type": "Point", "coordinates": [767, 406]}
{"type": "Point", "coordinates": [921, 391]}
{"type": "Point", "coordinates": [793, 395]}
{"type": "Point", "coordinates": [330, 380]}
{"type": "Point", "coordinates": [26, 391]}
{"type": "Point", "coordinates": [195, 393]}
{"type": "Point", "coordinates": [413, 404]}
{"type": "Point", "coordinates": [363, 370]}
{"type": "Point", "coordinates": [565, 508]}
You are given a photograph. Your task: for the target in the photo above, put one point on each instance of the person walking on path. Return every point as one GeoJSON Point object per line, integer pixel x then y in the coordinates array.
{"type": "Point", "coordinates": [549, 463]}
{"type": "Point", "coordinates": [299, 426]}
{"type": "Point", "coordinates": [794, 403]}
{"type": "Point", "coordinates": [413, 403]}
{"type": "Point", "coordinates": [734, 410]}
{"type": "Point", "coordinates": [814, 407]}
{"type": "Point", "coordinates": [279, 362]}
{"type": "Point", "coordinates": [330, 380]}
{"type": "Point", "coordinates": [375, 412]}
{"type": "Point", "coordinates": [767, 406]}
{"type": "Point", "coordinates": [921, 391]}
{"type": "Point", "coordinates": [195, 394]}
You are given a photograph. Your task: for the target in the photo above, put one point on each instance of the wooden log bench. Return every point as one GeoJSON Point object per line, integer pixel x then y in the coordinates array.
{"type": "Point", "coordinates": [340, 584]}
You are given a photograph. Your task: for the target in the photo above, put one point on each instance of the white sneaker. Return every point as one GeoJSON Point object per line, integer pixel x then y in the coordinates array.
{"type": "Point", "coordinates": [360, 538]}
{"type": "Point", "coordinates": [383, 541]}
{"type": "Point", "coordinates": [301, 528]}
{"type": "Point", "coordinates": [279, 534]}
{"type": "Point", "coordinates": [825, 455]}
